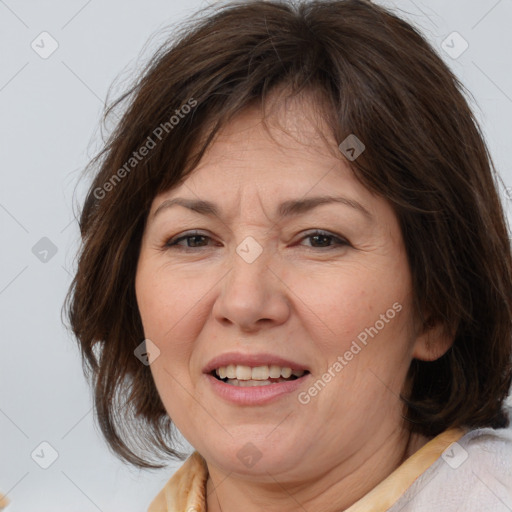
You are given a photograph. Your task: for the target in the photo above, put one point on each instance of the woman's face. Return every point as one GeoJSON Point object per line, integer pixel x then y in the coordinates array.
{"type": "Point", "coordinates": [255, 282]}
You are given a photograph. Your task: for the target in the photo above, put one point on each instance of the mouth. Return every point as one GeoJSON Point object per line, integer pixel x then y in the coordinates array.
{"type": "Point", "coordinates": [252, 376]}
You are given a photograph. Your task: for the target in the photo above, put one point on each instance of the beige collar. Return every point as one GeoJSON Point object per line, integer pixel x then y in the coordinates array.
{"type": "Point", "coordinates": [186, 489]}
{"type": "Point", "coordinates": [4, 501]}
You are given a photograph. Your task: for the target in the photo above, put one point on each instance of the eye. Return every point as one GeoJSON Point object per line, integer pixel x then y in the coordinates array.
{"type": "Point", "coordinates": [323, 239]}
{"type": "Point", "coordinates": [192, 240]}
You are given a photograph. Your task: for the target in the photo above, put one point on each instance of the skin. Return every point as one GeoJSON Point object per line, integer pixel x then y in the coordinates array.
{"type": "Point", "coordinates": [303, 298]}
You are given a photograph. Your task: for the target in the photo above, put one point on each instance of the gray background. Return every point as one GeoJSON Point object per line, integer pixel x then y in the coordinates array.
{"type": "Point", "coordinates": [50, 111]}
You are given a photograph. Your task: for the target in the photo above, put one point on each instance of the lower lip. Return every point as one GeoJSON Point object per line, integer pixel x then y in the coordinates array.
{"type": "Point", "coordinates": [254, 395]}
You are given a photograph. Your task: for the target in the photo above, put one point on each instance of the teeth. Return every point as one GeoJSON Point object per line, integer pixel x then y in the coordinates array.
{"type": "Point", "coordinates": [247, 374]}
{"type": "Point", "coordinates": [242, 372]}
{"type": "Point", "coordinates": [275, 372]}
{"type": "Point", "coordinates": [260, 373]}
{"type": "Point", "coordinates": [286, 372]}
{"type": "Point", "coordinates": [231, 371]}
{"type": "Point", "coordinates": [251, 383]}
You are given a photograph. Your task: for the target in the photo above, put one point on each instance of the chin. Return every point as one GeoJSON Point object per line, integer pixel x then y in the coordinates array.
{"type": "Point", "coordinates": [250, 456]}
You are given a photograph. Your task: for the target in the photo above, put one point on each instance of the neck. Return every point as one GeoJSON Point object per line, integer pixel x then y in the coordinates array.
{"type": "Point", "coordinates": [339, 487]}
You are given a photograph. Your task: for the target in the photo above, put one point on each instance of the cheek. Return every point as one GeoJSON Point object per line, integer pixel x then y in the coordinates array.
{"type": "Point", "coordinates": [340, 304]}
{"type": "Point", "coordinates": [162, 301]}
{"type": "Point", "coordinates": [166, 316]}
{"type": "Point", "coordinates": [172, 312]}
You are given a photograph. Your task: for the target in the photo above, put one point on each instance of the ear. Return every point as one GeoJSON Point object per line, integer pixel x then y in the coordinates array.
{"type": "Point", "coordinates": [433, 342]}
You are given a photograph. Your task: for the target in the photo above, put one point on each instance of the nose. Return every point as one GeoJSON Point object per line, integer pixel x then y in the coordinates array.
{"type": "Point", "coordinates": [252, 295]}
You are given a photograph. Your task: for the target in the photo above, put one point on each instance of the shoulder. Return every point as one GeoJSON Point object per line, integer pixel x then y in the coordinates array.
{"type": "Point", "coordinates": [471, 475]}
{"type": "Point", "coordinates": [4, 501]}
{"type": "Point", "coordinates": [489, 459]}
{"type": "Point", "coordinates": [488, 445]}
{"type": "Point", "coordinates": [185, 490]}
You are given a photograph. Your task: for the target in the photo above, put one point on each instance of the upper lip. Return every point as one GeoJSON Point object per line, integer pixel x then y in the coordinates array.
{"type": "Point", "coordinates": [261, 359]}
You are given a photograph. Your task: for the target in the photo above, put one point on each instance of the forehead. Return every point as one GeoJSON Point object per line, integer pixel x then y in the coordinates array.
{"type": "Point", "coordinates": [269, 159]}
{"type": "Point", "coordinates": [283, 126]}
{"type": "Point", "coordinates": [288, 147]}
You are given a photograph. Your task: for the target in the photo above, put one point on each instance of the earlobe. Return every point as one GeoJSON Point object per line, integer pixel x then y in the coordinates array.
{"type": "Point", "coordinates": [433, 343]}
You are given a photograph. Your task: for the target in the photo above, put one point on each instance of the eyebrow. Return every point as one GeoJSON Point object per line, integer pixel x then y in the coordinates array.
{"type": "Point", "coordinates": [286, 209]}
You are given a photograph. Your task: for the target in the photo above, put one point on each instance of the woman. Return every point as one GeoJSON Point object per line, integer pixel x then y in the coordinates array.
{"type": "Point", "coordinates": [295, 254]}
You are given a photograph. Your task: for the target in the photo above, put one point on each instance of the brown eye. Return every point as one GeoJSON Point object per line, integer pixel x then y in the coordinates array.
{"type": "Point", "coordinates": [323, 239]}
{"type": "Point", "coordinates": [192, 240]}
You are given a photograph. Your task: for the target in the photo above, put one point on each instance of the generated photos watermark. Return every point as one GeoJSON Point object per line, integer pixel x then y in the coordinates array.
{"type": "Point", "coordinates": [304, 397]}
{"type": "Point", "coordinates": [149, 144]}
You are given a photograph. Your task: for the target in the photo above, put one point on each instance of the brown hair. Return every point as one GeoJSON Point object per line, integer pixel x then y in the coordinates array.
{"type": "Point", "coordinates": [424, 153]}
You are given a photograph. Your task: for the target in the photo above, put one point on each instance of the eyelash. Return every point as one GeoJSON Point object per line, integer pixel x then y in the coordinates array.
{"type": "Point", "coordinates": [173, 242]}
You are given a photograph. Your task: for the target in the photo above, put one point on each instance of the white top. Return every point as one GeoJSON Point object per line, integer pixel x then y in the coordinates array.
{"type": "Point", "coordinates": [472, 475]}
